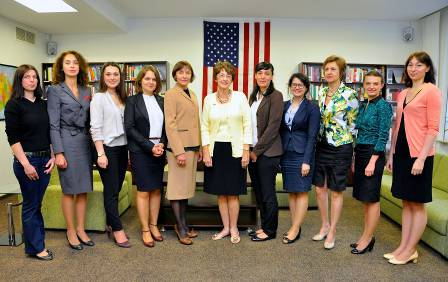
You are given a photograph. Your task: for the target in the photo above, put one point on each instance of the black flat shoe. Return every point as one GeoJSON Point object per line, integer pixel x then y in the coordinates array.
{"type": "Point", "coordinates": [286, 240]}
{"type": "Point", "coordinates": [369, 248]}
{"type": "Point", "coordinates": [258, 239]}
{"type": "Point", "coordinates": [88, 243]}
{"type": "Point", "coordinates": [47, 257]}
{"type": "Point", "coordinates": [78, 247]}
{"type": "Point", "coordinates": [252, 233]}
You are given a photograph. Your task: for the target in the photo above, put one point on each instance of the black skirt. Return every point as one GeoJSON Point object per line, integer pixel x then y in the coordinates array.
{"type": "Point", "coordinates": [147, 171]}
{"type": "Point", "coordinates": [332, 165]}
{"type": "Point", "coordinates": [405, 186]}
{"type": "Point", "coordinates": [367, 188]}
{"type": "Point", "coordinates": [226, 176]}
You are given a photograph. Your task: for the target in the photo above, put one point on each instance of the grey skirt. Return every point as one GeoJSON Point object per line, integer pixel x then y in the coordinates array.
{"type": "Point", "coordinates": [77, 177]}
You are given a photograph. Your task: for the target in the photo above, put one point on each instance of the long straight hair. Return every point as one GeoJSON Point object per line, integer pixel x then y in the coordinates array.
{"type": "Point", "coordinates": [120, 87]}
{"type": "Point", "coordinates": [17, 88]}
{"type": "Point", "coordinates": [259, 67]}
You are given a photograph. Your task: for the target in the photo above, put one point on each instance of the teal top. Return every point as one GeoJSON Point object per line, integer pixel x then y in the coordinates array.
{"type": "Point", "coordinates": [373, 123]}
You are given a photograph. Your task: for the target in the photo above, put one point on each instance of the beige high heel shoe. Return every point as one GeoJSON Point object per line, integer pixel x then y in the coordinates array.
{"type": "Point", "coordinates": [412, 258]}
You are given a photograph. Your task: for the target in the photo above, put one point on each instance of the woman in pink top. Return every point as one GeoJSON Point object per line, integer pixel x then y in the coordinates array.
{"type": "Point", "coordinates": [412, 153]}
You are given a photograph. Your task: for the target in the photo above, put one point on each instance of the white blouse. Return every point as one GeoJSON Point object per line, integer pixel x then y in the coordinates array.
{"type": "Point", "coordinates": [106, 120]}
{"type": "Point", "coordinates": [253, 112]}
{"type": "Point", "coordinates": [155, 118]}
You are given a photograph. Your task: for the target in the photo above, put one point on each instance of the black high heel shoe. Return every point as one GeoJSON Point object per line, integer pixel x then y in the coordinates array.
{"type": "Point", "coordinates": [89, 243]}
{"type": "Point", "coordinates": [286, 240]}
{"type": "Point", "coordinates": [369, 248]}
{"type": "Point", "coordinates": [353, 245]}
{"type": "Point", "coordinates": [78, 247]}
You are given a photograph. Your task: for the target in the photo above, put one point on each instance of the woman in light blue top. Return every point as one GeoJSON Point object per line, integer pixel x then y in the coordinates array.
{"type": "Point", "coordinates": [107, 129]}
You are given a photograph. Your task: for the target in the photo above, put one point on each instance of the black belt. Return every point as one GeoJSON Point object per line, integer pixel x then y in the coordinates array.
{"type": "Point", "coordinates": [187, 149]}
{"type": "Point", "coordinates": [38, 154]}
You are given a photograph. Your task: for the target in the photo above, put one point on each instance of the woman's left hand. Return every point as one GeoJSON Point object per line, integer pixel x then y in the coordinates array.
{"type": "Point", "coordinates": [245, 159]}
{"type": "Point", "coordinates": [417, 168]}
{"type": "Point", "coordinates": [49, 165]}
{"type": "Point", "coordinates": [370, 168]}
{"type": "Point", "coordinates": [305, 169]}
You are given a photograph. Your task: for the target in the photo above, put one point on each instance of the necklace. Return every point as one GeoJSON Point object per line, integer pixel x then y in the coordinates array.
{"type": "Point", "coordinates": [225, 99]}
{"type": "Point", "coordinates": [408, 100]}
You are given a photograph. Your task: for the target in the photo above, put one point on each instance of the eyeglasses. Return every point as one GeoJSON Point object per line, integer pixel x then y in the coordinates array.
{"type": "Point", "coordinates": [297, 85]}
{"type": "Point", "coordinates": [221, 76]}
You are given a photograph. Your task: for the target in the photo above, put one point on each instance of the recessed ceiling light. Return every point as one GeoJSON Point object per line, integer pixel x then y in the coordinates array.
{"type": "Point", "coordinates": [47, 6]}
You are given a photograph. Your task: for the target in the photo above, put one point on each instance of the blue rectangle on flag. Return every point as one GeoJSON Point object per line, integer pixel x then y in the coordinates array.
{"type": "Point", "coordinates": [221, 43]}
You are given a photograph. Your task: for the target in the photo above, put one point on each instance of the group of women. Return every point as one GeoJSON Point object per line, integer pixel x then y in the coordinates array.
{"type": "Point", "coordinates": [312, 143]}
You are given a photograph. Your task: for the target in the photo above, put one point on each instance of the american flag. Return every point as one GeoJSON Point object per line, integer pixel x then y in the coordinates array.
{"type": "Point", "coordinates": [242, 44]}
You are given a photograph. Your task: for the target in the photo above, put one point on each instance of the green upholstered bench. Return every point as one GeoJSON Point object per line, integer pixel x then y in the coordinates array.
{"type": "Point", "coordinates": [95, 215]}
{"type": "Point", "coordinates": [436, 232]}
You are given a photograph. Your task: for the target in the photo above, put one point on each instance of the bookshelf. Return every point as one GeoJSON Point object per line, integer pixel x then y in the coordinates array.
{"type": "Point", "coordinates": [354, 76]}
{"type": "Point", "coordinates": [130, 72]}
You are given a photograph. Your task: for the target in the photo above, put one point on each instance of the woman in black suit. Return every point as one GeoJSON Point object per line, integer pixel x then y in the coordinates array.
{"type": "Point", "coordinates": [144, 124]}
{"type": "Point", "coordinates": [300, 125]}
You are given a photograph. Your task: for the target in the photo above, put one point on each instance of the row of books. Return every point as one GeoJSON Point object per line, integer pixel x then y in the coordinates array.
{"type": "Point", "coordinates": [356, 74]}
{"type": "Point", "coordinates": [131, 71]}
{"type": "Point", "coordinates": [314, 73]}
{"type": "Point", "coordinates": [48, 74]}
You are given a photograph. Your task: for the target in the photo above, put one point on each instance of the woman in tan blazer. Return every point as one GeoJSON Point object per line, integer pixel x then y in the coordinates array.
{"type": "Point", "coordinates": [183, 150]}
{"type": "Point", "coordinates": [266, 106]}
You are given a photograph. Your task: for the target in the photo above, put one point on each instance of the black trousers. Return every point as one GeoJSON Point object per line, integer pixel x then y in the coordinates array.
{"type": "Point", "coordinates": [112, 178]}
{"type": "Point", "coordinates": [262, 174]}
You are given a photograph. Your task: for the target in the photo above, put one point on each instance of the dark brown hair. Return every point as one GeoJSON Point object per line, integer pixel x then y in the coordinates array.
{"type": "Point", "coordinates": [303, 78]}
{"type": "Point", "coordinates": [223, 65]}
{"type": "Point", "coordinates": [120, 87]}
{"type": "Point", "coordinates": [141, 75]}
{"type": "Point", "coordinates": [58, 72]}
{"type": "Point", "coordinates": [17, 88]}
{"type": "Point", "coordinates": [374, 73]}
{"type": "Point", "coordinates": [262, 66]}
{"type": "Point", "coordinates": [180, 65]}
{"type": "Point", "coordinates": [340, 62]}
{"type": "Point", "coordinates": [425, 59]}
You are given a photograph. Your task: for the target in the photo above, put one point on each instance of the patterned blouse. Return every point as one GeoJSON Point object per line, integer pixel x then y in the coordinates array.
{"type": "Point", "coordinates": [339, 116]}
{"type": "Point", "coordinates": [373, 124]}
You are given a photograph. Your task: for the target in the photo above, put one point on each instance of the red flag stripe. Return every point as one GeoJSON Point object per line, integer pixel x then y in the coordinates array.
{"type": "Point", "coordinates": [235, 81]}
{"type": "Point", "coordinates": [246, 59]}
{"type": "Point", "coordinates": [256, 46]}
{"type": "Point", "coordinates": [267, 41]}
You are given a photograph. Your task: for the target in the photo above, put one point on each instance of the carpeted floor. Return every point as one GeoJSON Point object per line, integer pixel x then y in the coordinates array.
{"type": "Point", "coordinates": [208, 260]}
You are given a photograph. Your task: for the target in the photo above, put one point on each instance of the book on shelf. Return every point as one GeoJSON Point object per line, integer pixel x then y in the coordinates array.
{"type": "Point", "coordinates": [395, 75]}
{"type": "Point", "coordinates": [48, 74]}
{"type": "Point", "coordinates": [392, 93]}
{"type": "Point", "coordinates": [314, 73]}
{"type": "Point", "coordinates": [355, 74]}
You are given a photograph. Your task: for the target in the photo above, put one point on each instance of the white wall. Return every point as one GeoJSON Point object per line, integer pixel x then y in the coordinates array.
{"type": "Point", "coordinates": [16, 52]}
{"type": "Point", "coordinates": [292, 41]}
{"type": "Point", "coordinates": [443, 81]}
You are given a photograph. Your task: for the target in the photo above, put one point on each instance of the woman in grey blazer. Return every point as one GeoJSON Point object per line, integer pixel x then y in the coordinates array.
{"type": "Point", "coordinates": [68, 108]}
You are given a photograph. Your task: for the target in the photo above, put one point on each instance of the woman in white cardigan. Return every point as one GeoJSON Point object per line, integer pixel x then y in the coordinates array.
{"type": "Point", "coordinates": [226, 136]}
{"type": "Point", "coordinates": [107, 129]}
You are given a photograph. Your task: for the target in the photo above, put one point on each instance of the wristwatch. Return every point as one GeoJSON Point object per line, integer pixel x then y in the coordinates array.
{"type": "Point", "coordinates": [100, 154]}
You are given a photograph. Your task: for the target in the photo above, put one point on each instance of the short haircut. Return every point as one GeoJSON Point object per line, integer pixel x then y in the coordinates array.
{"type": "Point", "coordinates": [120, 87]}
{"type": "Point", "coordinates": [17, 88]}
{"type": "Point", "coordinates": [223, 65]}
{"type": "Point", "coordinates": [303, 78]}
{"type": "Point", "coordinates": [374, 73]}
{"type": "Point", "coordinates": [425, 59]}
{"type": "Point", "coordinates": [180, 65]}
{"type": "Point", "coordinates": [340, 62]}
{"type": "Point", "coordinates": [141, 75]}
{"type": "Point", "coordinates": [58, 72]}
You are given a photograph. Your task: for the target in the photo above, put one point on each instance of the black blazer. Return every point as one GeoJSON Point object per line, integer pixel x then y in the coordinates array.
{"type": "Point", "coordinates": [305, 127]}
{"type": "Point", "coordinates": [136, 124]}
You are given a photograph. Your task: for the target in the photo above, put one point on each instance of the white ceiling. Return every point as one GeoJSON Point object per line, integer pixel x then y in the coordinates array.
{"type": "Point", "coordinates": [102, 16]}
